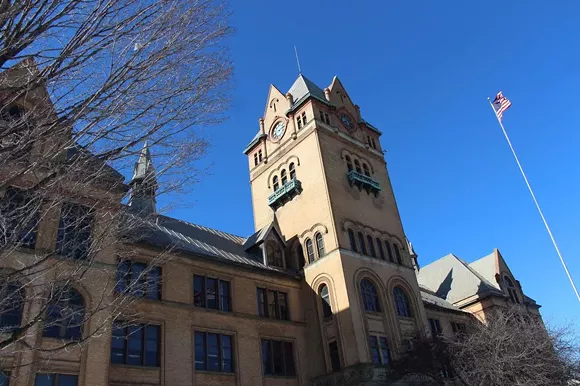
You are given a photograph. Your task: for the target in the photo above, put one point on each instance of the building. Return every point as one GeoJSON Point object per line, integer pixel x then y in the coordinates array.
{"type": "Point", "coordinates": [326, 291]}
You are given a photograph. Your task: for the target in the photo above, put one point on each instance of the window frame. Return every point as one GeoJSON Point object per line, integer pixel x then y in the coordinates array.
{"type": "Point", "coordinates": [16, 308]}
{"type": "Point", "coordinates": [283, 177]}
{"type": "Point", "coordinates": [272, 343]}
{"type": "Point", "coordinates": [380, 248]}
{"type": "Point", "coordinates": [370, 296]}
{"type": "Point", "coordinates": [362, 242]}
{"type": "Point", "coordinates": [310, 251]}
{"type": "Point", "coordinates": [143, 328]}
{"type": "Point", "coordinates": [366, 170]}
{"type": "Point", "coordinates": [82, 238]}
{"type": "Point", "coordinates": [334, 360]}
{"type": "Point", "coordinates": [398, 254]}
{"type": "Point", "coordinates": [275, 184]}
{"type": "Point", "coordinates": [54, 378]}
{"type": "Point", "coordinates": [220, 339]}
{"type": "Point", "coordinates": [402, 302]}
{"type": "Point", "coordinates": [352, 239]}
{"type": "Point", "coordinates": [389, 251]}
{"type": "Point", "coordinates": [61, 325]}
{"type": "Point", "coordinates": [130, 285]}
{"type": "Point", "coordinates": [357, 166]}
{"type": "Point", "coordinates": [371, 243]}
{"type": "Point", "coordinates": [349, 164]}
{"type": "Point", "coordinates": [381, 345]}
{"type": "Point", "coordinates": [218, 293]}
{"type": "Point", "coordinates": [325, 301]}
{"type": "Point", "coordinates": [292, 171]}
{"type": "Point", "coordinates": [435, 326]}
{"type": "Point", "coordinates": [264, 307]}
{"type": "Point", "coordinates": [319, 245]}
{"type": "Point", "coordinates": [27, 235]}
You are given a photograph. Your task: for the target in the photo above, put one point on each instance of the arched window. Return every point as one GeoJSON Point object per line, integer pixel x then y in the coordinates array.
{"type": "Point", "coordinates": [380, 248]}
{"type": "Point", "coordinates": [352, 240]}
{"type": "Point", "coordinates": [65, 315]}
{"type": "Point", "coordinates": [397, 253]}
{"type": "Point", "coordinates": [319, 244]}
{"type": "Point", "coordinates": [348, 163]}
{"type": "Point", "coordinates": [401, 302]}
{"type": "Point", "coordinates": [292, 170]}
{"type": "Point", "coordinates": [283, 176]}
{"type": "Point", "coordinates": [513, 293]}
{"type": "Point", "coordinates": [275, 183]}
{"type": "Point", "coordinates": [326, 308]}
{"type": "Point", "coordinates": [357, 166]}
{"type": "Point", "coordinates": [300, 256]}
{"type": "Point", "coordinates": [389, 252]}
{"type": "Point", "coordinates": [310, 250]}
{"type": "Point", "coordinates": [371, 246]}
{"type": "Point", "coordinates": [366, 170]}
{"type": "Point", "coordinates": [11, 306]}
{"type": "Point", "coordinates": [369, 295]}
{"type": "Point", "coordinates": [361, 241]}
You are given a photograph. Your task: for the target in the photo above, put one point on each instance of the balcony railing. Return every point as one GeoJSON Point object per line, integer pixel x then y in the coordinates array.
{"type": "Point", "coordinates": [363, 182]}
{"type": "Point", "coordinates": [286, 192]}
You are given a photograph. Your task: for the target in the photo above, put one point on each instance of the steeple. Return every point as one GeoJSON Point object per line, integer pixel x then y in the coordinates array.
{"type": "Point", "coordinates": [143, 184]}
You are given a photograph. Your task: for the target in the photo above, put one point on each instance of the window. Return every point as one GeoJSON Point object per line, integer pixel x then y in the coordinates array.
{"type": "Point", "coordinates": [304, 118]}
{"type": "Point", "coordinates": [274, 254]}
{"type": "Point", "coordinates": [348, 163]}
{"type": "Point", "coordinates": [397, 253]}
{"type": "Point", "coordinates": [458, 328]}
{"type": "Point", "coordinates": [19, 211]}
{"type": "Point", "coordinates": [292, 171]}
{"type": "Point", "coordinates": [352, 240]}
{"type": "Point", "coordinates": [55, 380]}
{"type": "Point", "coordinates": [322, 116]}
{"type": "Point", "coordinates": [319, 244]}
{"type": "Point", "coordinates": [435, 327]}
{"type": "Point", "coordinates": [324, 295]}
{"type": "Point", "coordinates": [379, 350]}
{"type": "Point", "coordinates": [300, 255]}
{"type": "Point", "coordinates": [255, 159]}
{"type": "Point", "coordinates": [511, 290]}
{"type": "Point", "coordinates": [74, 231]}
{"type": "Point", "coordinates": [366, 170]}
{"type": "Point", "coordinates": [327, 119]}
{"type": "Point", "coordinates": [373, 143]}
{"type": "Point", "coordinates": [4, 378]}
{"type": "Point", "coordinates": [310, 250]}
{"type": "Point", "coordinates": [389, 252]}
{"type": "Point", "coordinates": [211, 293]}
{"type": "Point", "coordinates": [299, 120]}
{"type": "Point", "coordinates": [334, 357]}
{"type": "Point", "coordinates": [369, 296]}
{"type": "Point", "coordinates": [214, 352]}
{"type": "Point", "coordinates": [369, 140]}
{"type": "Point", "coordinates": [278, 358]}
{"type": "Point", "coordinates": [138, 279]}
{"type": "Point", "coordinates": [137, 345]}
{"type": "Point", "coordinates": [283, 176]}
{"type": "Point", "coordinates": [260, 155]}
{"type": "Point", "coordinates": [401, 302]}
{"type": "Point", "coordinates": [380, 248]}
{"type": "Point", "coordinates": [361, 241]}
{"type": "Point", "coordinates": [275, 183]}
{"type": "Point", "coordinates": [272, 304]}
{"type": "Point", "coordinates": [371, 246]}
{"type": "Point", "coordinates": [11, 307]}
{"type": "Point", "coordinates": [65, 314]}
{"type": "Point", "coordinates": [357, 166]}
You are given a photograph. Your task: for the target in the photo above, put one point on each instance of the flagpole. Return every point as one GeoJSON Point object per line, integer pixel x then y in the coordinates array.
{"type": "Point", "coordinates": [535, 201]}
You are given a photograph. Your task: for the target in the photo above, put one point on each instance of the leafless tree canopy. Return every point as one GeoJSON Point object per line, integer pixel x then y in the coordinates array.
{"type": "Point", "coordinates": [513, 348]}
{"type": "Point", "coordinates": [84, 84]}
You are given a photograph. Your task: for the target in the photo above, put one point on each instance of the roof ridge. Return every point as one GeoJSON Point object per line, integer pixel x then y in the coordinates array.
{"type": "Point", "coordinates": [203, 227]}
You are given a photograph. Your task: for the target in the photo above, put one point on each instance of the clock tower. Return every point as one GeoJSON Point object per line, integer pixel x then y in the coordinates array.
{"type": "Point", "coordinates": [323, 199]}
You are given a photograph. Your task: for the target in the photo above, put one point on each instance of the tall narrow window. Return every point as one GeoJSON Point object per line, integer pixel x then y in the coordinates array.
{"type": "Point", "coordinates": [214, 352]}
{"type": "Point", "coordinates": [357, 166]}
{"type": "Point", "coordinates": [435, 327]}
{"type": "Point", "coordinates": [275, 183]}
{"type": "Point", "coordinates": [274, 254]}
{"type": "Point", "coordinates": [319, 244]}
{"type": "Point", "coordinates": [65, 314]}
{"type": "Point", "coordinates": [11, 306]}
{"type": "Point", "coordinates": [397, 253]}
{"type": "Point", "coordinates": [352, 240]}
{"type": "Point", "coordinates": [273, 304]}
{"type": "Point", "coordinates": [366, 170]}
{"type": "Point", "coordinates": [373, 143]}
{"type": "Point", "coordinates": [348, 163]}
{"type": "Point", "coordinates": [322, 116]}
{"type": "Point", "coordinates": [278, 358]}
{"type": "Point", "coordinates": [334, 357]}
{"type": "Point", "coordinates": [74, 231]}
{"type": "Point", "coordinates": [327, 118]}
{"type": "Point", "coordinates": [304, 118]}
{"type": "Point", "coordinates": [371, 246]}
{"type": "Point", "coordinates": [283, 176]}
{"type": "Point", "coordinates": [401, 302]}
{"type": "Point", "coordinates": [138, 279]}
{"type": "Point", "coordinates": [255, 159]}
{"type": "Point", "coordinates": [389, 252]}
{"type": "Point", "coordinates": [325, 297]}
{"type": "Point", "coordinates": [375, 353]}
{"type": "Point", "coordinates": [299, 121]}
{"type": "Point", "coordinates": [380, 248]}
{"type": "Point", "coordinates": [19, 211]}
{"type": "Point", "coordinates": [300, 255]}
{"type": "Point", "coordinates": [260, 155]}
{"type": "Point", "coordinates": [292, 171]}
{"type": "Point", "coordinates": [310, 250]}
{"type": "Point", "coordinates": [370, 296]}
{"type": "Point", "coordinates": [136, 344]}
{"type": "Point", "coordinates": [369, 140]}
{"type": "Point", "coordinates": [361, 241]}
{"type": "Point", "coordinates": [512, 292]}
{"type": "Point", "coordinates": [211, 293]}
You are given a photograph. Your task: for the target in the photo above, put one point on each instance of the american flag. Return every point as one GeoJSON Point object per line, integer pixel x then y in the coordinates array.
{"type": "Point", "coordinates": [501, 104]}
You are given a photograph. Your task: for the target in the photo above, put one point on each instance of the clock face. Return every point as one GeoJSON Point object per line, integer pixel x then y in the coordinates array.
{"type": "Point", "coordinates": [346, 121]}
{"type": "Point", "coordinates": [277, 131]}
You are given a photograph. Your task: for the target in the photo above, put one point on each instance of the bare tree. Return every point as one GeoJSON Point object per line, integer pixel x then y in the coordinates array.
{"type": "Point", "coordinates": [84, 84]}
{"type": "Point", "coordinates": [511, 348]}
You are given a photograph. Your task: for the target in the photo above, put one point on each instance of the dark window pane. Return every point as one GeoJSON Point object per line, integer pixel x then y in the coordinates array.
{"type": "Point", "coordinates": [283, 306]}
{"type": "Point", "coordinates": [370, 296]}
{"type": "Point", "coordinates": [213, 352]}
{"type": "Point", "coordinates": [267, 357]}
{"type": "Point", "coordinates": [374, 345]}
{"type": "Point", "coordinates": [154, 283]}
{"type": "Point", "coordinates": [310, 251]}
{"type": "Point", "coordinates": [352, 240]}
{"type": "Point", "coordinates": [326, 309]}
{"type": "Point", "coordinates": [152, 346]}
{"type": "Point", "coordinates": [289, 359]}
{"type": "Point", "coordinates": [137, 284]}
{"type": "Point", "coordinates": [122, 276]}
{"type": "Point", "coordinates": [135, 345]}
{"type": "Point", "coordinates": [397, 254]}
{"type": "Point", "coordinates": [385, 355]}
{"type": "Point", "coordinates": [118, 343]}
{"type": "Point", "coordinates": [389, 252]}
{"type": "Point", "coordinates": [199, 350]}
{"type": "Point", "coordinates": [380, 248]}
{"type": "Point", "coordinates": [334, 357]}
{"type": "Point", "coordinates": [278, 350]}
{"type": "Point", "coordinates": [272, 309]}
{"type": "Point", "coordinates": [262, 308]}
{"type": "Point", "coordinates": [67, 380]}
{"type": "Point", "coordinates": [211, 293]}
{"type": "Point", "coordinates": [199, 291]}
{"type": "Point", "coordinates": [74, 231]}
{"type": "Point", "coordinates": [225, 304]}
{"type": "Point", "coordinates": [361, 241]}
{"type": "Point", "coordinates": [371, 246]}
{"type": "Point", "coordinates": [11, 306]}
{"type": "Point", "coordinates": [44, 380]}
{"type": "Point", "coordinates": [227, 357]}
{"type": "Point", "coordinates": [320, 245]}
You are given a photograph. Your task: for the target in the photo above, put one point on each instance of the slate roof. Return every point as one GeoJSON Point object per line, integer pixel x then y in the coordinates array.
{"type": "Point", "coordinates": [430, 299]}
{"type": "Point", "coordinates": [304, 88]}
{"type": "Point", "coordinates": [167, 232]}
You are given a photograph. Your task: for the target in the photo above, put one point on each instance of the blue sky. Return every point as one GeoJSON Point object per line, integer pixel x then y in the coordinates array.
{"type": "Point", "coordinates": [421, 72]}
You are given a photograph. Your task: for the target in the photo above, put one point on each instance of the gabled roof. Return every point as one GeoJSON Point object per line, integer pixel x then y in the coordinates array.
{"type": "Point", "coordinates": [302, 88]}
{"type": "Point", "coordinates": [254, 142]}
{"type": "Point", "coordinates": [261, 235]}
{"type": "Point", "coordinates": [486, 267]}
{"type": "Point", "coordinates": [431, 299]}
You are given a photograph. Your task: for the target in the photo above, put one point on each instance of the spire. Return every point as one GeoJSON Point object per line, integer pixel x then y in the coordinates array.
{"type": "Point", "coordinates": [143, 184]}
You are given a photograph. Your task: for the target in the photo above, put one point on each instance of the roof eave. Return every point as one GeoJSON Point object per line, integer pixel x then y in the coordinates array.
{"type": "Point", "coordinates": [303, 100]}
{"type": "Point", "coordinates": [254, 142]}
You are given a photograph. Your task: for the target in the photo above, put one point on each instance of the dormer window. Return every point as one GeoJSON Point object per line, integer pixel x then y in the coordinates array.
{"type": "Point", "coordinates": [274, 254]}
{"type": "Point", "coordinates": [512, 291]}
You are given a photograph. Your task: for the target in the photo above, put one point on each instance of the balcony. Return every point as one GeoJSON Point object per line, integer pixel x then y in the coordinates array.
{"type": "Point", "coordinates": [363, 182]}
{"type": "Point", "coordinates": [285, 193]}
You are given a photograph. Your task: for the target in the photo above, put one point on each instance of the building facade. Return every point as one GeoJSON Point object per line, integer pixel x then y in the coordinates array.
{"type": "Point", "coordinates": [326, 291]}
